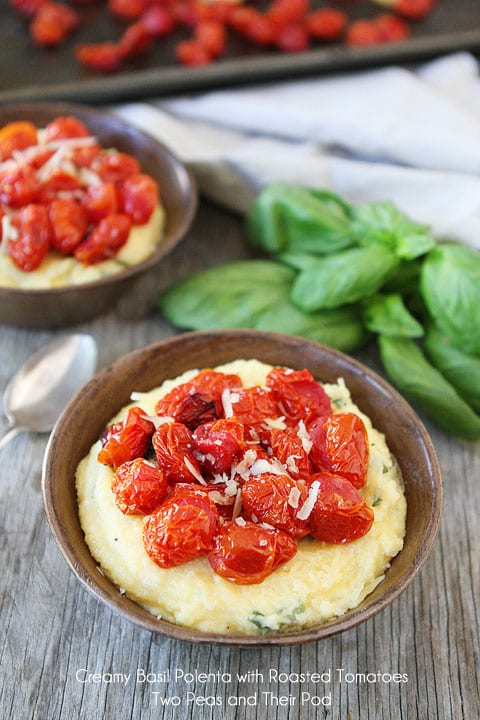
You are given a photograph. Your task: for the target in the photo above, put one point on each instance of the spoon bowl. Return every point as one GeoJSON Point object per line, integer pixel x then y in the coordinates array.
{"type": "Point", "coordinates": [38, 392]}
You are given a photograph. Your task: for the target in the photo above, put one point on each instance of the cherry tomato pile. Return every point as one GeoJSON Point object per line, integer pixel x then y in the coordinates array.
{"type": "Point", "coordinates": [60, 190]}
{"type": "Point", "coordinates": [286, 25]}
{"type": "Point", "coordinates": [239, 474]}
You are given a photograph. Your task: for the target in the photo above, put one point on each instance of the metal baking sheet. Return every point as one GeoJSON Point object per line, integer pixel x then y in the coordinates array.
{"type": "Point", "coordinates": [30, 73]}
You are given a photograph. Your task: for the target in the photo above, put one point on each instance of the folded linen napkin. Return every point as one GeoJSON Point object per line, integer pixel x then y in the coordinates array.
{"type": "Point", "coordinates": [409, 136]}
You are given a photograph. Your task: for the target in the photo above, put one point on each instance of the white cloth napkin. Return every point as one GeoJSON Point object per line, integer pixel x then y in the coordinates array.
{"type": "Point", "coordinates": [409, 136]}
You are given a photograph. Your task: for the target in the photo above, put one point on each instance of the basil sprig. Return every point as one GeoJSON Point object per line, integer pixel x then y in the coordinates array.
{"type": "Point", "coordinates": [340, 274]}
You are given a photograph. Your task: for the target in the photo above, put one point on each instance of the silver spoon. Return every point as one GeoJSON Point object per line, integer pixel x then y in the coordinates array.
{"type": "Point", "coordinates": [38, 392]}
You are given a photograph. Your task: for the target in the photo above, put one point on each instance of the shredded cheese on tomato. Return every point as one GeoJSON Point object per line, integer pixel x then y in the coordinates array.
{"type": "Point", "coordinates": [194, 470]}
{"type": "Point", "coordinates": [308, 505]}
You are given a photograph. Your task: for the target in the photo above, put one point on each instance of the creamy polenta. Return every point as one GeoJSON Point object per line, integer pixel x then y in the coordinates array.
{"type": "Point", "coordinates": [321, 581]}
{"type": "Point", "coordinates": [58, 270]}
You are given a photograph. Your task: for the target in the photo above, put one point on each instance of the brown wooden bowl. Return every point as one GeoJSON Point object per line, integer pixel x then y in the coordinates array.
{"type": "Point", "coordinates": [90, 411]}
{"type": "Point", "coordinates": [57, 307]}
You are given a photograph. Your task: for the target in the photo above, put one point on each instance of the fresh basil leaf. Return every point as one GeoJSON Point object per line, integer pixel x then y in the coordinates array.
{"type": "Point", "coordinates": [418, 380]}
{"type": "Point", "coordinates": [343, 278]}
{"type": "Point", "coordinates": [383, 223]}
{"type": "Point", "coordinates": [256, 294]}
{"type": "Point", "coordinates": [460, 369]}
{"type": "Point", "coordinates": [231, 295]}
{"type": "Point", "coordinates": [387, 315]}
{"type": "Point", "coordinates": [341, 328]}
{"type": "Point", "coordinates": [450, 286]}
{"type": "Point", "coordinates": [297, 219]}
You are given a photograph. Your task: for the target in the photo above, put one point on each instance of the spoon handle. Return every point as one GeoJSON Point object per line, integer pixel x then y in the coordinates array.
{"type": "Point", "coordinates": [10, 434]}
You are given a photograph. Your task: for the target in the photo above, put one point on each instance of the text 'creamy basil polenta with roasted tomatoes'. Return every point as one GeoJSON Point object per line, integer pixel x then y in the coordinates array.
{"type": "Point", "coordinates": [71, 211]}
{"type": "Point", "coordinates": [243, 499]}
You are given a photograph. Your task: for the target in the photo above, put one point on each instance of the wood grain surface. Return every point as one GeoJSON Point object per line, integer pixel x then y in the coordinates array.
{"type": "Point", "coordinates": [64, 656]}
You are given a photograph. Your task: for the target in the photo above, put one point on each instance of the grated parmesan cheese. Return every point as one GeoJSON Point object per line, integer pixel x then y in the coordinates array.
{"type": "Point", "coordinates": [194, 470]}
{"type": "Point", "coordinates": [304, 437]}
{"type": "Point", "coordinates": [294, 497]}
{"type": "Point", "coordinates": [307, 507]}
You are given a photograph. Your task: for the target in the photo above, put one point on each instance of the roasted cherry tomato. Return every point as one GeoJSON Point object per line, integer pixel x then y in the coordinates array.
{"type": "Point", "coordinates": [326, 24]}
{"type": "Point", "coordinates": [65, 127]}
{"type": "Point", "coordinates": [158, 21]}
{"type": "Point", "coordinates": [59, 182]}
{"type": "Point", "coordinates": [84, 155]}
{"type": "Point", "coordinates": [127, 439]}
{"type": "Point", "coordinates": [246, 553]}
{"type": "Point", "coordinates": [298, 394]}
{"type": "Point", "coordinates": [138, 197]}
{"type": "Point", "coordinates": [115, 166]}
{"type": "Point", "coordinates": [192, 53]}
{"type": "Point", "coordinates": [292, 38]}
{"type": "Point", "coordinates": [100, 201]}
{"type": "Point", "coordinates": [253, 407]}
{"type": "Point", "coordinates": [53, 23]}
{"type": "Point", "coordinates": [18, 186]}
{"type": "Point", "coordinates": [105, 240]}
{"type": "Point", "coordinates": [139, 487]}
{"type": "Point", "coordinates": [212, 36]}
{"type": "Point", "coordinates": [287, 447]}
{"type": "Point", "coordinates": [340, 445]}
{"type": "Point", "coordinates": [187, 406]}
{"type": "Point", "coordinates": [219, 443]}
{"type": "Point", "coordinates": [223, 502]}
{"type": "Point", "coordinates": [209, 383]}
{"type": "Point", "coordinates": [275, 500]}
{"type": "Point", "coordinates": [34, 235]}
{"type": "Point", "coordinates": [339, 514]}
{"type": "Point", "coordinates": [69, 224]}
{"type": "Point", "coordinates": [103, 57]}
{"type": "Point", "coordinates": [287, 12]}
{"type": "Point", "coordinates": [135, 40]}
{"type": "Point", "coordinates": [181, 529]}
{"type": "Point", "coordinates": [174, 448]}
{"type": "Point", "coordinates": [16, 136]}
{"type": "Point", "coordinates": [127, 9]}
{"type": "Point", "coordinates": [363, 32]}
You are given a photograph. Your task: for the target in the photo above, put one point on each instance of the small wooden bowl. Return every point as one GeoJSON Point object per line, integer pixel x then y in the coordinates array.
{"type": "Point", "coordinates": [58, 307]}
{"type": "Point", "coordinates": [87, 414]}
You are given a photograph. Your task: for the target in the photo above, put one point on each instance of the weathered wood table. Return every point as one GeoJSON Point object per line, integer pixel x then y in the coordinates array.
{"type": "Point", "coordinates": [65, 656]}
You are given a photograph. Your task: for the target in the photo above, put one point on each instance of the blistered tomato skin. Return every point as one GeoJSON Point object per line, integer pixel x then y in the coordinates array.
{"type": "Point", "coordinates": [274, 499]}
{"type": "Point", "coordinates": [19, 186]}
{"type": "Point", "coordinates": [288, 448]}
{"type": "Point", "coordinates": [113, 166]}
{"type": "Point", "coordinates": [340, 445]}
{"type": "Point", "coordinates": [34, 234]}
{"type": "Point", "coordinates": [174, 448]}
{"type": "Point", "coordinates": [126, 440]}
{"type": "Point", "coordinates": [105, 240]}
{"type": "Point", "coordinates": [100, 201]}
{"type": "Point", "coordinates": [138, 197]}
{"type": "Point", "coordinates": [69, 224]}
{"type": "Point", "coordinates": [219, 443]}
{"type": "Point", "coordinates": [246, 553]}
{"type": "Point", "coordinates": [139, 487]}
{"type": "Point", "coordinates": [181, 529]}
{"type": "Point", "coordinates": [339, 515]}
{"type": "Point", "coordinates": [298, 394]}
{"type": "Point", "coordinates": [65, 128]}
{"type": "Point", "coordinates": [253, 407]}
{"type": "Point", "coordinates": [16, 136]}
{"type": "Point", "coordinates": [209, 383]}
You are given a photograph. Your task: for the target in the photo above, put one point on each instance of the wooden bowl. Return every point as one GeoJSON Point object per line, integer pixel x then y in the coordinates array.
{"type": "Point", "coordinates": [57, 307]}
{"type": "Point", "coordinates": [86, 416]}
